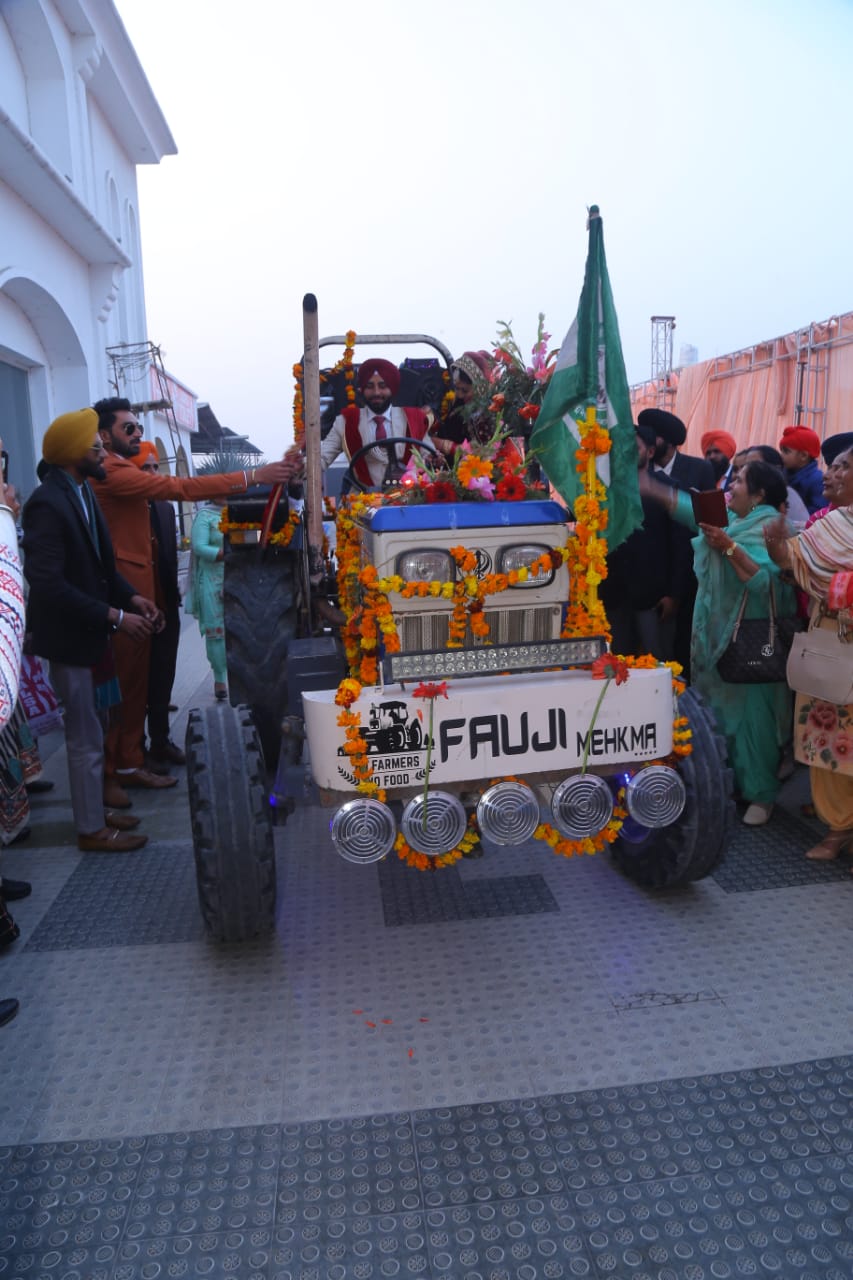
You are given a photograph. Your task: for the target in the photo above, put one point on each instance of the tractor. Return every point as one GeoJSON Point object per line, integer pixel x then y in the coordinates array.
{"type": "Point", "coordinates": [476, 714]}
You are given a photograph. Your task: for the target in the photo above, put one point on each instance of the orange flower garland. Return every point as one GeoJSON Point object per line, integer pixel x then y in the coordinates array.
{"type": "Point", "coordinates": [345, 364]}
{"type": "Point", "coordinates": [298, 410]}
{"type": "Point", "coordinates": [586, 615]}
{"type": "Point", "coordinates": [590, 844]}
{"type": "Point", "coordinates": [422, 862]}
{"type": "Point", "coordinates": [356, 746]}
{"type": "Point", "coordinates": [281, 538]}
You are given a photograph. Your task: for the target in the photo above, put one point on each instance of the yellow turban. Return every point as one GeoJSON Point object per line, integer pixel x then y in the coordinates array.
{"type": "Point", "coordinates": [69, 437]}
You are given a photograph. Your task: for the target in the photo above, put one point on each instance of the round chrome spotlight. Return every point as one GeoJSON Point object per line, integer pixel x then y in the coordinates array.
{"type": "Point", "coordinates": [508, 813]}
{"type": "Point", "coordinates": [363, 830]}
{"type": "Point", "coordinates": [446, 822]}
{"type": "Point", "coordinates": [582, 805]}
{"type": "Point", "coordinates": [656, 795]}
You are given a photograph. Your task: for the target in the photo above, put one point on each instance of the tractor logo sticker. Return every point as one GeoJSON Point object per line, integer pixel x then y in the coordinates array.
{"type": "Point", "coordinates": [484, 563]}
{"type": "Point", "coordinates": [396, 744]}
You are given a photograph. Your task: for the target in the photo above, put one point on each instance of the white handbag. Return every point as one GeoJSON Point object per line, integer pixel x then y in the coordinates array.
{"type": "Point", "coordinates": [820, 663]}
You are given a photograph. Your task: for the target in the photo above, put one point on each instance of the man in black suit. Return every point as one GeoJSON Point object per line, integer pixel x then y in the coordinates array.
{"type": "Point", "coordinates": [683, 472]}
{"type": "Point", "coordinates": [645, 575]}
{"type": "Point", "coordinates": [77, 600]}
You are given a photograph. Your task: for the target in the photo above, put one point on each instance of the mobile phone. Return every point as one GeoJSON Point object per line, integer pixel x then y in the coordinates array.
{"type": "Point", "coordinates": [5, 458]}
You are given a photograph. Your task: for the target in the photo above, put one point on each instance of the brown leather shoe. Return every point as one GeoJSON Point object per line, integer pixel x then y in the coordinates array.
{"type": "Point", "coordinates": [121, 821]}
{"type": "Point", "coordinates": [115, 842]}
{"type": "Point", "coordinates": [169, 753]}
{"type": "Point", "coordinates": [142, 778]}
{"type": "Point", "coordinates": [115, 797]}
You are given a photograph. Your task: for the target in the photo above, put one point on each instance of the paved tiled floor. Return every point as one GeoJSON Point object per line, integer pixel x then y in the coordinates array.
{"type": "Point", "coordinates": [532, 1068]}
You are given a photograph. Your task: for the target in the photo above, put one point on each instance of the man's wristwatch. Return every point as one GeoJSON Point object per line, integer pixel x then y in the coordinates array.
{"type": "Point", "coordinates": [730, 549]}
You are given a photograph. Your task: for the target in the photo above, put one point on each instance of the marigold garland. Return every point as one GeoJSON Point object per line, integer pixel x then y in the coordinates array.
{"type": "Point", "coordinates": [281, 538]}
{"type": "Point", "coordinates": [345, 365]}
{"type": "Point", "coordinates": [355, 745]}
{"type": "Point", "coordinates": [589, 844]}
{"type": "Point", "coordinates": [298, 410]}
{"type": "Point", "coordinates": [422, 862]}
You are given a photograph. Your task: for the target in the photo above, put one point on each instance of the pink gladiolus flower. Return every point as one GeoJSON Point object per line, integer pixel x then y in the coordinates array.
{"type": "Point", "coordinates": [411, 476]}
{"type": "Point", "coordinates": [483, 486]}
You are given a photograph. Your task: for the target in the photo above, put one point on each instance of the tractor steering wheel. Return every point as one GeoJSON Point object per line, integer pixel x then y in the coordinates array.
{"type": "Point", "coordinates": [389, 445]}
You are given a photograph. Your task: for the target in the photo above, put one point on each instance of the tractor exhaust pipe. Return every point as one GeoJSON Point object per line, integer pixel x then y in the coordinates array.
{"type": "Point", "coordinates": [313, 470]}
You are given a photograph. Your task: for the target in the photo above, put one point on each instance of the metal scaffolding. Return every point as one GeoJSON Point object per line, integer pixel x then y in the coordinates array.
{"type": "Point", "coordinates": [812, 391]}
{"type": "Point", "coordinates": [662, 330]}
{"type": "Point", "coordinates": [131, 362]}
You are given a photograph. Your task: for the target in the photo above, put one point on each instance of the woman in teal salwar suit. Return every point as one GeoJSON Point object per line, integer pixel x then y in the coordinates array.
{"type": "Point", "coordinates": [755, 718]}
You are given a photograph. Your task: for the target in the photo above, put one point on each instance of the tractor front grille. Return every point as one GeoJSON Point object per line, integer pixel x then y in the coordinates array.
{"type": "Point", "coordinates": [424, 631]}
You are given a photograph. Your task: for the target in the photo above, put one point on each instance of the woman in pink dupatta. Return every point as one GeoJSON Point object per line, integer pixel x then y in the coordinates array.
{"type": "Point", "coordinates": [820, 560]}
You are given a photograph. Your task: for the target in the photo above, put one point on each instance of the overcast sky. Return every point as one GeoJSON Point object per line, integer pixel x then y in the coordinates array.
{"type": "Point", "coordinates": [427, 167]}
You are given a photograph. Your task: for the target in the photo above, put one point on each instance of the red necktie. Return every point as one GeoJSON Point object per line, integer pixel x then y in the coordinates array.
{"type": "Point", "coordinates": [381, 433]}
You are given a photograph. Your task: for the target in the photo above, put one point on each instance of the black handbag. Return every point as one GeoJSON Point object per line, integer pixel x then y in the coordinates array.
{"type": "Point", "coordinates": [758, 650]}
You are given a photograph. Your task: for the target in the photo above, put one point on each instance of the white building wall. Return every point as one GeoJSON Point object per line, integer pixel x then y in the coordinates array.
{"type": "Point", "coordinates": [13, 80]}
{"type": "Point", "coordinates": [76, 117]}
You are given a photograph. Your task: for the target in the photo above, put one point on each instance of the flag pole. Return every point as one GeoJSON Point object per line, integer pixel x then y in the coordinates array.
{"type": "Point", "coordinates": [589, 487]}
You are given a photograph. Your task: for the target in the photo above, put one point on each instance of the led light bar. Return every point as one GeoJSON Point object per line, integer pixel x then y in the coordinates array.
{"type": "Point", "coordinates": [485, 660]}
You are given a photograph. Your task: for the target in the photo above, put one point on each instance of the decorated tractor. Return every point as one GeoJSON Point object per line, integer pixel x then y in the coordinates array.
{"type": "Point", "coordinates": [444, 675]}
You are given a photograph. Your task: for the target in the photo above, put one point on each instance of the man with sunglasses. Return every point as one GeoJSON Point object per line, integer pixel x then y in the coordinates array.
{"type": "Point", "coordinates": [161, 750]}
{"type": "Point", "coordinates": [77, 601]}
{"type": "Point", "coordinates": [123, 497]}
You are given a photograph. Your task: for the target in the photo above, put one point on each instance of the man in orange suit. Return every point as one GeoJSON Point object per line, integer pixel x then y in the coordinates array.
{"type": "Point", "coordinates": [123, 498]}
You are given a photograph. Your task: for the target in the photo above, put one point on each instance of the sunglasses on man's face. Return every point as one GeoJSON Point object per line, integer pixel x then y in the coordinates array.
{"type": "Point", "coordinates": [129, 427]}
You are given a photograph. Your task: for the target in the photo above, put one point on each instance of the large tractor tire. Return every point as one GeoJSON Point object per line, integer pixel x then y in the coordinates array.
{"type": "Point", "coordinates": [231, 823]}
{"type": "Point", "coordinates": [260, 622]}
{"type": "Point", "coordinates": [690, 847]}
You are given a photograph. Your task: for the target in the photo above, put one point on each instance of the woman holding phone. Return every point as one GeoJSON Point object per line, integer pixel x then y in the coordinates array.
{"type": "Point", "coordinates": [730, 559]}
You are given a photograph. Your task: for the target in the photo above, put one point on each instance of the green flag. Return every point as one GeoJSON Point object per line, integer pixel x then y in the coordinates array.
{"type": "Point", "coordinates": [590, 371]}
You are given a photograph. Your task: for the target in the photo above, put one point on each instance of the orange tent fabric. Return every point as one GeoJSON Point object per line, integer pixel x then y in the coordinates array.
{"type": "Point", "coordinates": [754, 393]}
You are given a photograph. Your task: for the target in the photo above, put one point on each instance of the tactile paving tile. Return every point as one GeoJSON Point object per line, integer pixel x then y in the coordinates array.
{"type": "Point", "coordinates": [355, 1167]}
{"type": "Point", "coordinates": [728, 1175]}
{"type": "Point", "coordinates": [493, 1151]}
{"type": "Point", "coordinates": [773, 857]}
{"type": "Point", "coordinates": [517, 1238]}
{"type": "Point", "coordinates": [206, 1183]}
{"type": "Point", "coordinates": [308, 1246]}
{"type": "Point", "coordinates": [413, 897]}
{"type": "Point", "coordinates": [793, 1220]}
{"type": "Point", "coordinates": [825, 1088]}
{"type": "Point", "coordinates": [66, 1199]}
{"type": "Point", "coordinates": [125, 900]}
{"type": "Point", "coordinates": [243, 1255]}
{"type": "Point", "coordinates": [643, 1132]}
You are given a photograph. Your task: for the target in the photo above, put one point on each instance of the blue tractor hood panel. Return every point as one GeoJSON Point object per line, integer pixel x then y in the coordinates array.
{"type": "Point", "coordinates": [464, 515]}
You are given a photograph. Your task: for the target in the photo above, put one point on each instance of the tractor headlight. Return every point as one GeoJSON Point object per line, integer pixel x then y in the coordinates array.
{"type": "Point", "coordinates": [434, 825]}
{"type": "Point", "coordinates": [656, 796]}
{"type": "Point", "coordinates": [363, 830]}
{"type": "Point", "coordinates": [427, 564]}
{"type": "Point", "coordinates": [522, 556]}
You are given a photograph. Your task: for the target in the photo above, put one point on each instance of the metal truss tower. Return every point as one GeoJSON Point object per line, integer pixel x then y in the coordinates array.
{"type": "Point", "coordinates": [662, 330]}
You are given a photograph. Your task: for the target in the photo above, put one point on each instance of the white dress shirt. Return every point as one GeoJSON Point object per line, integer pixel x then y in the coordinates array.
{"type": "Point", "coordinates": [396, 424]}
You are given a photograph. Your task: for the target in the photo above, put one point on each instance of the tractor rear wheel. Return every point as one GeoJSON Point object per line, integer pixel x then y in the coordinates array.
{"type": "Point", "coordinates": [690, 847]}
{"type": "Point", "coordinates": [231, 824]}
{"type": "Point", "coordinates": [261, 615]}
